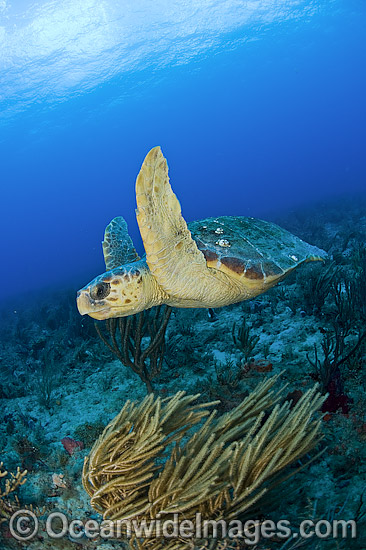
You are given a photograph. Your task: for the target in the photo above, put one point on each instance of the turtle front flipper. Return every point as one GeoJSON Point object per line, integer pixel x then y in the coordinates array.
{"type": "Point", "coordinates": [118, 248]}
{"type": "Point", "coordinates": [171, 253]}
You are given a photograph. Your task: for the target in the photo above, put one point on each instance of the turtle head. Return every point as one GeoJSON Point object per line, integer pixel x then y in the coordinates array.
{"type": "Point", "coordinates": [117, 293]}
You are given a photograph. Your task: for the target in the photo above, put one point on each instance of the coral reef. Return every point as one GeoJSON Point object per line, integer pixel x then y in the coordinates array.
{"type": "Point", "coordinates": [60, 382]}
{"type": "Point", "coordinates": [10, 483]}
{"type": "Point", "coordinates": [222, 471]}
{"type": "Point", "coordinates": [151, 324]}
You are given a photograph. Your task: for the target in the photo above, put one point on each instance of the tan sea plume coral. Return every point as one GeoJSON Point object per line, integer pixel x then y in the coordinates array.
{"type": "Point", "coordinates": [144, 463]}
{"type": "Point", "coordinates": [10, 483]}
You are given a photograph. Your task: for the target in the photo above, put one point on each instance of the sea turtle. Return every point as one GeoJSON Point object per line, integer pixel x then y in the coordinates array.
{"type": "Point", "coordinates": [209, 263]}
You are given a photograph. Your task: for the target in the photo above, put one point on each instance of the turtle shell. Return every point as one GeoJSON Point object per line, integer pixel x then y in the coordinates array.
{"type": "Point", "coordinates": [251, 249]}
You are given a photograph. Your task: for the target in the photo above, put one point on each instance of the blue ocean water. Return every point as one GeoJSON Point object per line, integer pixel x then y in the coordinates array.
{"type": "Point", "coordinates": [259, 107]}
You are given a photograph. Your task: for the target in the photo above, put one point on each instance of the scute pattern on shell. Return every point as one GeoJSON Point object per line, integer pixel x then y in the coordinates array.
{"type": "Point", "coordinates": [257, 248]}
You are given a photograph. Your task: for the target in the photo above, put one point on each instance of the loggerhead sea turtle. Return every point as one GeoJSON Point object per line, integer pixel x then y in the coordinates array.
{"type": "Point", "coordinates": [211, 263]}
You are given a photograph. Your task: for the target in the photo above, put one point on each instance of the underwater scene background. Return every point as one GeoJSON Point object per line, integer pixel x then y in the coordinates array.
{"type": "Point", "coordinates": [259, 107]}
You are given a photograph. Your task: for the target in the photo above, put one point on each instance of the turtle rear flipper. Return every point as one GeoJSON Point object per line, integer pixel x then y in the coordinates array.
{"type": "Point", "coordinates": [171, 253]}
{"type": "Point", "coordinates": [118, 248]}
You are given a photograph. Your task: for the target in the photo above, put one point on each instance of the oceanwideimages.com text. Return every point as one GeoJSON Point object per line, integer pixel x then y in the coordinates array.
{"type": "Point", "coordinates": [25, 525]}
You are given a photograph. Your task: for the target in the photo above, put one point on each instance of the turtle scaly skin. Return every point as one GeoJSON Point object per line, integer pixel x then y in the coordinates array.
{"type": "Point", "coordinates": [209, 263]}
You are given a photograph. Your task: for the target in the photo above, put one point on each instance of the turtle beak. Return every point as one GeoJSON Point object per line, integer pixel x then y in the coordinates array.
{"type": "Point", "coordinates": [87, 306]}
{"type": "Point", "coordinates": [83, 302]}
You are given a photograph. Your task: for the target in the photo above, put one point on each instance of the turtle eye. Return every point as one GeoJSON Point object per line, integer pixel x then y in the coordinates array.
{"type": "Point", "coordinates": [100, 291]}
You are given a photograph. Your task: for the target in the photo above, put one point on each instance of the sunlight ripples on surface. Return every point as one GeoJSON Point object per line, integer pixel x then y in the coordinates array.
{"type": "Point", "coordinates": [49, 50]}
